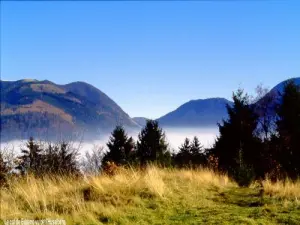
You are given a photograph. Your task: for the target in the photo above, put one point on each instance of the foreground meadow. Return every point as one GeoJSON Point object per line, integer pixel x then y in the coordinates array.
{"type": "Point", "coordinates": [153, 196]}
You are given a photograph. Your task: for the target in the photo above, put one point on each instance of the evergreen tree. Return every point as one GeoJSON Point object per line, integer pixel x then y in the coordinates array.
{"type": "Point", "coordinates": [31, 160]}
{"type": "Point", "coordinates": [288, 128]}
{"type": "Point", "coordinates": [190, 154]}
{"type": "Point", "coordinates": [237, 144]}
{"type": "Point", "coordinates": [130, 151]}
{"type": "Point", "coordinates": [152, 146]}
{"type": "Point", "coordinates": [67, 160]}
{"type": "Point", "coordinates": [183, 157]}
{"type": "Point", "coordinates": [58, 159]}
{"type": "Point", "coordinates": [120, 148]}
{"type": "Point", "coordinates": [51, 159]}
{"type": "Point", "coordinates": [197, 152]}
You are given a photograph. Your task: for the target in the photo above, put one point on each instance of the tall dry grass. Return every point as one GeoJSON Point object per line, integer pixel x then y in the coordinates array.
{"type": "Point", "coordinates": [86, 198]}
{"type": "Point", "coordinates": [286, 189]}
{"type": "Point", "coordinates": [61, 195]}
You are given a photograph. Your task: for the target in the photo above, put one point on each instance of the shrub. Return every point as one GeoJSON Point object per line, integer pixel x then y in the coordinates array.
{"type": "Point", "coordinates": [213, 162]}
{"type": "Point", "coordinates": [110, 168]}
{"type": "Point", "coordinates": [244, 176]}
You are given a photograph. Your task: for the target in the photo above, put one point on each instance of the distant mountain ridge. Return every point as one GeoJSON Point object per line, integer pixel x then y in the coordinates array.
{"type": "Point", "coordinates": [197, 113]}
{"type": "Point", "coordinates": [207, 112]}
{"type": "Point", "coordinates": [31, 107]}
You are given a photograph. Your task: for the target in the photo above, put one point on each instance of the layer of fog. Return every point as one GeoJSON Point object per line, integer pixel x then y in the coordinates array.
{"type": "Point", "coordinates": [174, 136]}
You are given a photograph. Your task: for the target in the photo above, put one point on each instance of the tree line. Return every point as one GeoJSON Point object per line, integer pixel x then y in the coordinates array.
{"type": "Point", "coordinates": [259, 138]}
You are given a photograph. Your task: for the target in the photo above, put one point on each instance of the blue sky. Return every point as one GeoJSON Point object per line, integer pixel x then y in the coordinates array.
{"type": "Point", "coordinates": [150, 57]}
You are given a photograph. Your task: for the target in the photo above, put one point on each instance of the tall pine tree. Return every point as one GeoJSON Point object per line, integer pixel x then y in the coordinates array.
{"type": "Point", "coordinates": [31, 160]}
{"type": "Point", "coordinates": [190, 154]}
{"type": "Point", "coordinates": [237, 144]}
{"type": "Point", "coordinates": [120, 148]}
{"type": "Point", "coordinates": [288, 128]}
{"type": "Point", "coordinates": [152, 146]}
{"type": "Point", "coordinates": [184, 157]}
{"type": "Point", "coordinates": [197, 152]}
{"type": "Point", "coordinates": [67, 160]}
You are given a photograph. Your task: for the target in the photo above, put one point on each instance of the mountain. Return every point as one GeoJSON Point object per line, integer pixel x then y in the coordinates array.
{"type": "Point", "coordinates": [207, 112]}
{"type": "Point", "coordinates": [197, 113]}
{"type": "Point", "coordinates": [32, 107]}
{"type": "Point", "coordinates": [140, 121]}
{"type": "Point", "coordinates": [279, 87]}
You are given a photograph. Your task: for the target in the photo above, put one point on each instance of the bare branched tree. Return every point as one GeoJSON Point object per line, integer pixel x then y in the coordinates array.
{"type": "Point", "coordinates": [9, 155]}
{"type": "Point", "coordinates": [91, 163]}
{"type": "Point", "coordinates": [265, 104]}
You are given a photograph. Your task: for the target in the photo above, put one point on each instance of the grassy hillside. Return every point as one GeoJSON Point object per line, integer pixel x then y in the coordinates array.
{"type": "Point", "coordinates": [153, 196]}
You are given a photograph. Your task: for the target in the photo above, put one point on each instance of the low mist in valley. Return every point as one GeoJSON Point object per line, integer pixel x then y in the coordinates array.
{"type": "Point", "coordinates": [174, 136]}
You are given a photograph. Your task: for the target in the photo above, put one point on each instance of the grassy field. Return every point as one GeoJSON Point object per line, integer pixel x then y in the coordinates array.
{"type": "Point", "coordinates": [153, 196]}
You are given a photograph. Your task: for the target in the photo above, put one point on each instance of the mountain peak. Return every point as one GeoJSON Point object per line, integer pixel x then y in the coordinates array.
{"type": "Point", "coordinates": [27, 80]}
{"type": "Point", "coordinates": [213, 99]}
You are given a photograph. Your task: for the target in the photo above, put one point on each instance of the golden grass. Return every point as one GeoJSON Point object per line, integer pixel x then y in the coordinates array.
{"type": "Point", "coordinates": [125, 194]}
{"type": "Point", "coordinates": [283, 189]}
{"type": "Point", "coordinates": [62, 194]}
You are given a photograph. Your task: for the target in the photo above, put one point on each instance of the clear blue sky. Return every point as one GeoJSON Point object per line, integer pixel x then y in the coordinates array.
{"type": "Point", "coordinates": [150, 57]}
